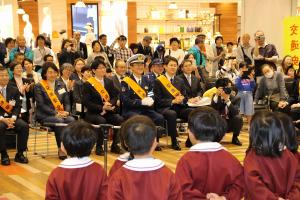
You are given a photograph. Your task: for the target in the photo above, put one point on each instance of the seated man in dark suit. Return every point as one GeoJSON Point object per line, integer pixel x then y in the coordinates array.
{"type": "Point", "coordinates": [228, 107]}
{"type": "Point", "coordinates": [171, 99]}
{"type": "Point", "coordinates": [191, 83]}
{"type": "Point", "coordinates": [120, 71]}
{"type": "Point", "coordinates": [52, 102]}
{"type": "Point", "coordinates": [100, 98]}
{"type": "Point", "coordinates": [10, 109]}
{"type": "Point", "coordinates": [137, 93]}
{"type": "Point", "coordinates": [144, 46]}
{"type": "Point", "coordinates": [77, 107]}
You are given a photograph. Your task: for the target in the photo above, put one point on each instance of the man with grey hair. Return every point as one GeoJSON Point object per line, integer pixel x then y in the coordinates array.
{"type": "Point", "coordinates": [263, 53]}
{"type": "Point", "coordinates": [244, 51]}
{"type": "Point", "coordinates": [144, 46]}
{"type": "Point", "coordinates": [21, 48]}
{"type": "Point", "coordinates": [81, 47]}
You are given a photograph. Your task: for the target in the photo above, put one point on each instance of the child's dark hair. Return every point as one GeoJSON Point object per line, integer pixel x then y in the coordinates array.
{"type": "Point", "coordinates": [289, 130]}
{"type": "Point", "coordinates": [138, 134]}
{"type": "Point", "coordinates": [206, 124]}
{"type": "Point", "coordinates": [267, 138]}
{"type": "Point", "coordinates": [79, 139]}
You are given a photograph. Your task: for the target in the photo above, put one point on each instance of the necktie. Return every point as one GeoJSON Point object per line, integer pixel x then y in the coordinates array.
{"type": "Point", "coordinates": [189, 80]}
{"type": "Point", "coordinates": [139, 82]}
{"type": "Point", "coordinates": [171, 80]}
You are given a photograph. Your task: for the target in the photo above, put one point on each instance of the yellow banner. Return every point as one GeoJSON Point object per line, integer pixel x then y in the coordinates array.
{"type": "Point", "coordinates": [99, 88]}
{"type": "Point", "coordinates": [52, 96]}
{"type": "Point", "coordinates": [5, 105]}
{"type": "Point", "coordinates": [168, 85]}
{"type": "Point", "coordinates": [135, 87]}
{"type": "Point", "coordinates": [292, 38]}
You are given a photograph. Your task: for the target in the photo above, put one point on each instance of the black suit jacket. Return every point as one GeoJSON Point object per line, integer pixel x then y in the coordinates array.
{"type": "Point", "coordinates": [193, 90]}
{"type": "Point", "coordinates": [44, 106]}
{"type": "Point", "coordinates": [146, 51]}
{"type": "Point", "coordinates": [67, 57]}
{"type": "Point", "coordinates": [233, 109]}
{"type": "Point", "coordinates": [92, 100]}
{"type": "Point", "coordinates": [77, 94]}
{"type": "Point", "coordinates": [163, 99]}
{"type": "Point", "coordinates": [12, 95]}
{"type": "Point", "coordinates": [130, 100]}
{"type": "Point", "coordinates": [83, 50]}
{"type": "Point", "coordinates": [116, 82]}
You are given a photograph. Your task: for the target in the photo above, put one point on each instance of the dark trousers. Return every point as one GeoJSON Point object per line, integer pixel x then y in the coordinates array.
{"type": "Point", "coordinates": [274, 107]}
{"type": "Point", "coordinates": [235, 125]}
{"type": "Point", "coordinates": [21, 129]}
{"type": "Point", "coordinates": [58, 129]}
{"type": "Point", "coordinates": [157, 118]}
{"type": "Point", "coordinates": [171, 114]}
{"type": "Point", "coordinates": [110, 118]}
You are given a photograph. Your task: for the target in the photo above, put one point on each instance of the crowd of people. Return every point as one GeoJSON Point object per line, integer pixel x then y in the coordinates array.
{"type": "Point", "coordinates": [112, 84]}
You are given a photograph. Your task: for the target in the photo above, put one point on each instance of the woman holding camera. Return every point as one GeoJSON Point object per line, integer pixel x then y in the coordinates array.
{"type": "Point", "coordinates": [245, 84]}
{"type": "Point", "coordinates": [68, 52]}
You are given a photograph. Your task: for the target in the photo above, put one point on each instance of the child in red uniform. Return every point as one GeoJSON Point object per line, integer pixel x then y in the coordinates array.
{"type": "Point", "coordinates": [121, 160]}
{"type": "Point", "coordinates": [208, 171]}
{"type": "Point", "coordinates": [290, 132]}
{"type": "Point", "coordinates": [77, 177]}
{"type": "Point", "coordinates": [142, 177]}
{"type": "Point", "coordinates": [271, 170]}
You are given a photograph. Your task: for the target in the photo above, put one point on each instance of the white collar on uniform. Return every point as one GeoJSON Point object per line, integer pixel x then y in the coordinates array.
{"type": "Point", "coordinates": [207, 147]}
{"type": "Point", "coordinates": [74, 162]}
{"type": "Point", "coordinates": [144, 164]}
{"type": "Point", "coordinates": [137, 79]}
{"type": "Point", "coordinates": [124, 157]}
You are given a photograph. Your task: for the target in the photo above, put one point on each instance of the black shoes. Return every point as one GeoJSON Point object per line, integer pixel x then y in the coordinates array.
{"type": "Point", "coordinates": [158, 148]}
{"type": "Point", "coordinates": [175, 146]}
{"type": "Point", "coordinates": [116, 149]}
{"type": "Point", "coordinates": [236, 141]}
{"type": "Point", "coordinates": [99, 150]}
{"type": "Point", "coordinates": [5, 160]}
{"type": "Point", "coordinates": [20, 158]}
{"type": "Point", "coordinates": [188, 143]}
{"type": "Point", "coordinates": [61, 155]}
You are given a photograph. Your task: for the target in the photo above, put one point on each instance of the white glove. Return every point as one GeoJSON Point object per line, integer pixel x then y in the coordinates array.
{"type": "Point", "coordinates": [148, 101]}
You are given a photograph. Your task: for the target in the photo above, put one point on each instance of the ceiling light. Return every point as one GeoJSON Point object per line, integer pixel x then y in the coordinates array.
{"type": "Point", "coordinates": [172, 6]}
{"type": "Point", "coordinates": [80, 4]}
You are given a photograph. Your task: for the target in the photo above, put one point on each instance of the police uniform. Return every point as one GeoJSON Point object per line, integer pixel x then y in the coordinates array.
{"type": "Point", "coordinates": [132, 103]}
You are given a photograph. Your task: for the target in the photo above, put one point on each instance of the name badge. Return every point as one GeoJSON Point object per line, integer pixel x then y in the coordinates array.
{"type": "Point", "coordinates": [12, 102]}
{"type": "Point", "coordinates": [78, 107]}
{"type": "Point", "coordinates": [61, 91]}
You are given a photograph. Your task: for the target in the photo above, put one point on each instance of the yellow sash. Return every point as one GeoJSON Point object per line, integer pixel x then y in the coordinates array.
{"type": "Point", "coordinates": [168, 85]}
{"type": "Point", "coordinates": [99, 88]}
{"type": "Point", "coordinates": [136, 87]}
{"type": "Point", "coordinates": [52, 96]}
{"type": "Point", "coordinates": [5, 105]}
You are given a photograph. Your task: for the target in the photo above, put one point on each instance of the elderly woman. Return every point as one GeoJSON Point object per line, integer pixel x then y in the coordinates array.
{"type": "Point", "coordinates": [272, 85]}
{"type": "Point", "coordinates": [52, 102]}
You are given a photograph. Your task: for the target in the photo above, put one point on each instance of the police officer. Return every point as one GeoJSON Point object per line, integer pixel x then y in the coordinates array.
{"type": "Point", "coordinates": [137, 93]}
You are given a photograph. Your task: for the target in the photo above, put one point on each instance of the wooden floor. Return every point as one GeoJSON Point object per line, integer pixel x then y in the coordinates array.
{"type": "Point", "coordinates": [27, 182]}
